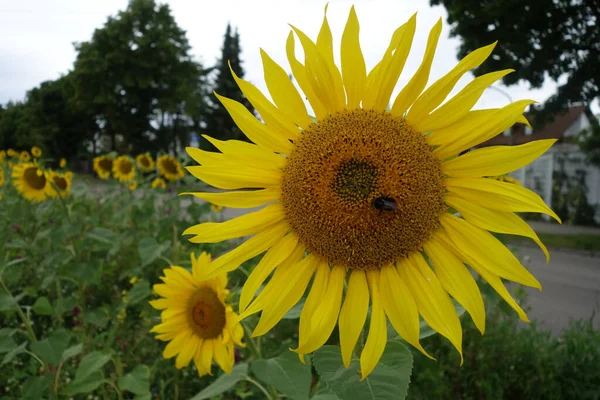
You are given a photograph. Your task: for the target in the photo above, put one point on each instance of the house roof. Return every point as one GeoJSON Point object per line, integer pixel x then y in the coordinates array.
{"type": "Point", "coordinates": [553, 130]}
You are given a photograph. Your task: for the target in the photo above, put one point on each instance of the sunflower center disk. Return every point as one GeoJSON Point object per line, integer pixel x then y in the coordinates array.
{"type": "Point", "coordinates": [206, 313]}
{"type": "Point", "coordinates": [106, 164]}
{"type": "Point", "coordinates": [126, 167]}
{"type": "Point", "coordinates": [362, 189]}
{"type": "Point", "coordinates": [60, 182]}
{"type": "Point", "coordinates": [169, 166]}
{"type": "Point", "coordinates": [34, 179]}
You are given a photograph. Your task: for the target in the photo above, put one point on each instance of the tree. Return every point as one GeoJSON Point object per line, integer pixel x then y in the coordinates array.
{"type": "Point", "coordinates": [539, 39]}
{"type": "Point", "coordinates": [138, 78]}
{"type": "Point", "coordinates": [14, 127]}
{"type": "Point", "coordinates": [218, 121]}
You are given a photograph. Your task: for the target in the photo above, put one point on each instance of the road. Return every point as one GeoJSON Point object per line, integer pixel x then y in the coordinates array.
{"type": "Point", "coordinates": [570, 287]}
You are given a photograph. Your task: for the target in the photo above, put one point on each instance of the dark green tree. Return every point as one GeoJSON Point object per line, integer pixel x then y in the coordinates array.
{"type": "Point", "coordinates": [138, 78]}
{"type": "Point", "coordinates": [14, 127]}
{"type": "Point", "coordinates": [539, 39]}
{"type": "Point", "coordinates": [218, 122]}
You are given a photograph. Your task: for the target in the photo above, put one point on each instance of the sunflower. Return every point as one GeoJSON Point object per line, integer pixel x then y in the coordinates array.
{"type": "Point", "coordinates": [196, 319]}
{"type": "Point", "coordinates": [362, 196]}
{"type": "Point", "coordinates": [144, 162]}
{"type": "Point", "coordinates": [123, 169]}
{"type": "Point", "coordinates": [133, 185]}
{"type": "Point", "coordinates": [169, 167]}
{"type": "Point", "coordinates": [63, 163]}
{"type": "Point", "coordinates": [36, 152]}
{"type": "Point", "coordinates": [2, 156]}
{"type": "Point", "coordinates": [103, 166]}
{"type": "Point", "coordinates": [25, 156]}
{"type": "Point", "coordinates": [159, 183]}
{"type": "Point", "coordinates": [11, 153]}
{"type": "Point", "coordinates": [61, 183]}
{"type": "Point", "coordinates": [31, 181]}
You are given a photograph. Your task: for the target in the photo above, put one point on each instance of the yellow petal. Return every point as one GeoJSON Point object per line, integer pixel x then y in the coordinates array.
{"type": "Point", "coordinates": [456, 278]}
{"type": "Point", "coordinates": [250, 248]}
{"type": "Point", "coordinates": [201, 266]}
{"type": "Point", "coordinates": [222, 356]}
{"type": "Point", "coordinates": [275, 256]}
{"type": "Point", "coordinates": [284, 93]}
{"type": "Point", "coordinates": [377, 338]}
{"type": "Point", "coordinates": [207, 158]}
{"type": "Point", "coordinates": [206, 355]}
{"type": "Point", "coordinates": [437, 92]}
{"type": "Point", "coordinates": [160, 304]}
{"type": "Point", "coordinates": [176, 345]}
{"type": "Point", "coordinates": [323, 75]}
{"type": "Point", "coordinates": [325, 40]}
{"type": "Point", "coordinates": [353, 314]}
{"type": "Point", "coordinates": [354, 71]}
{"type": "Point", "coordinates": [187, 352]}
{"type": "Point", "coordinates": [493, 220]}
{"type": "Point", "coordinates": [198, 359]}
{"type": "Point", "coordinates": [459, 105]}
{"type": "Point", "coordinates": [432, 300]}
{"type": "Point", "coordinates": [496, 160]}
{"type": "Point", "coordinates": [417, 83]}
{"type": "Point", "coordinates": [474, 128]}
{"type": "Point", "coordinates": [255, 130]}
{"type": "Point", "coordinates": [497, 195]}
{"type": "Point", "coordinates": [301, 76]}
{"type": "Point", "coordinates": [326, 315]}
{"type": "Point", "coordinates": [239, 199]}
{"type": "Point", "coordinates": [400, 307]}
{"type": "Point", "coordinates": [313, 300]}
{"type": "Point", "coordinates": [244, 225]}
{"type": "Point", "coordinates": [382, 82]}
{"type": "Point", "coordinates": [480, 247]}
{"type": "Point", "coordinates": [234, 177]}
{"type": "Point", "coordinates": [237, 150]}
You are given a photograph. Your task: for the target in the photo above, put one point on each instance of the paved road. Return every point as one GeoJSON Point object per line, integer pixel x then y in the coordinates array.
{"type": "Point", "coordinates": [570, 287]}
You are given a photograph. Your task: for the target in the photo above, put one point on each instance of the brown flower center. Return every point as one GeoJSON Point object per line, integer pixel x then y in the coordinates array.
{"type": "Point", "coordinates": [125, 166]}
{"type": "Point", "coordinates": [169, 166]}
{"type": "Point", "coordinates": [35, 178]}
{"type": "Point", "coordinates": [362, 189]}
{"type": "Point", "coordinates": [145, 162]}
{"type": "Point", "coordinates": [106, 164]}
{"type": "Point", "coordinates": [206, 313]}
{"type": "Point", "coordinates": [60, 182]}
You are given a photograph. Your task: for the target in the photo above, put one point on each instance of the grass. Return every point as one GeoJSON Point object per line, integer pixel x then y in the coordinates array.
{"type": "Point", "coordinates": [582, 241]}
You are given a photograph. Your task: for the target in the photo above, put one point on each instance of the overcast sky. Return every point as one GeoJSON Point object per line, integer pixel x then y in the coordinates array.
{"type": "Point", "coordinates": [36, 36]}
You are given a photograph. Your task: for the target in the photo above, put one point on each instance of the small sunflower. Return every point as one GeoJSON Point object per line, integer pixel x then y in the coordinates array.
{"type": "Point", "coordinates": [159, 183]}
{"type": "Point", "coordinates": [36, 152]}
{"type": "Point", "coordinates": [63, 163]}
{"type": "Point", "coordinates": [144, 162]}
{"type": "Point", "coordinates": [123, 169]}
{"type": "Point", "coordinates": [25, 156]}
{"type": "Point", "coordinates": [169, 167]}
{"type": "Point", "coordinates": [103, 166]}
{"type": "Point", "coordinates": [196, 319]}
{"type": "Point", "coordinates": [133, 185]}
{"type": "Point", "coordinates": [359, 197]}
{"type": "Point", "coordinates": [31, 181]}
{"type": "Point", "coordinates": [11, 153]}
{"type": "Point", "coordinates": [62, 182]}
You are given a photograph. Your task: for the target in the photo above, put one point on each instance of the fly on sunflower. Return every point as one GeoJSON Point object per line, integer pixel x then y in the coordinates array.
{"type": "Point", "coordinates": [358, 197]}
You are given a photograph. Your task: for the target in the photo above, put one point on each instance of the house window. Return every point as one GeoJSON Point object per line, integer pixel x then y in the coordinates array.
{"type": "Point", "coordinates": [507, 132]}
{"type": "Point", "coordinates": [528, 130]}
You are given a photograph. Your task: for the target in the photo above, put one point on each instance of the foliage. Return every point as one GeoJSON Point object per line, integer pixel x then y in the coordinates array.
{"type": "Point", "coordinates": [539, 39]}
{"type": "Point", "coordinates": [219, 124]}
{"type": "Point", "coordinates": [589, 141]}
{"type": "Point", "coordinates": [569, 195]}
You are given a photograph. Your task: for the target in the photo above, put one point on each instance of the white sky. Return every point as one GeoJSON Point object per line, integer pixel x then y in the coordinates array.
{"type": "Point", "coordinates": [36, 36]}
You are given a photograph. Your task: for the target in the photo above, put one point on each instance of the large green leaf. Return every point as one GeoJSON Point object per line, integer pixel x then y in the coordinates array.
{"type": "Point", "coordinates": [42, 306]}
{"type": "Point", "coordinates": [224, 382]}
{"type": "Point", "coordinates": [140, 291]}
{"type": "Point", "coordinates": [137, 381]}
{"type": "Point", "coordinates": [51, 349]}
{"type": "Point", "coordinates": [89, 373]}
{"type": "Point", "coordinates": [17, 350]}
{"type": "Point", "coordinates": [286, 373]}
{"type": "Point", "coordinates": [149, 250]}
{"type": "Point", "coordinates": [71, 352]}
{"type": "Point", "coordinates": [35, 387]}
{"type": "Point", "coordinates": [388, 381]}
{"type": "Point", "coordinates": [7, 343]}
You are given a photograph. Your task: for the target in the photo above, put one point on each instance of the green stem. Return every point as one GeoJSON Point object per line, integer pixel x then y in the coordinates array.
{"type": "Point", "coordinates": [57, 380]}
{"type": "Point", "coordinates": [62, 201]}
{"type": "Point", "coordinates": [36, 357]}
{"type": "Point", "coordinates": [261, 387]}
{"type": "Point", "coordinates": [111, 383]}
{"type": "Point", "coordinates": [25, 320]}
{"type": "Point", "coordinates": [251, 345]}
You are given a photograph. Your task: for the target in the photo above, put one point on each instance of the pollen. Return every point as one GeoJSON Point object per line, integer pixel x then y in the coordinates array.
{"type": "Point", "coordinates": [206, 313]}
{"type": "Point", "coordinates": [337, 170]}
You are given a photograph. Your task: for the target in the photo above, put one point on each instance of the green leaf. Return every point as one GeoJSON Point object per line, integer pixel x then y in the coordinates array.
{"type": "Point", "coordinates": [7, 302]}
{"type": "Point", "coordinates": [7, 343]}
{"type": "Point", "coordinates": [16, 351]}
{"type": "Point", "coordinates": [388, 381]}
{"type": "Point", "coordinates": [325, 397]}
{"type": "Point", "coordinates": [89, 373]}
{"type": "Point", "coordinates": [137, 381]}
{"type": "Point", "coordinates": [294, 312]}
{"type": "Point", "coordinates": [42, 306]}
{"type": "Point", "coordinates": [71, 352]}
{"type": "Point", "coordinates": [99, 317]}
{"type": "Point", "coordinates": [51, 349]}
{"type": "Point", "coordinates": [35, 387]}
{"type": "Point", "coordinates": [224, 382]}
{"type": "Point", "coordinates": [102, 235]}
{"type": "Point", "coordinates": [140, 291]}
{"type": "Point", "coordinates": [286, 373]}
{"type": "Point", "coordinates": [149, 250]}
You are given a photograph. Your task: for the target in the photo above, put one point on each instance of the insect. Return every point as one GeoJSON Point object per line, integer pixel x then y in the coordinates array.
{"type": "Point", "coordinates": [385, 203]}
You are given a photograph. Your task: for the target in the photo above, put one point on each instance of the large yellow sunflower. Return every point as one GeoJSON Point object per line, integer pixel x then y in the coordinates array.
{"type": "Point", "coordinates": [196, 319]}
{"type": "Point", "coordinates": [31, 181]}
{"type": "Point", "coordinates": [103, 166]}
{"type": "Point", "coordinates": [144, 162]}
{"type": "Point", "coordinates": [62, 183]}
{"type": "Point", "coordinates": [169, 167]}
{"type": "Point", "coordinates": [362, 196]}
{"type": "Point", "coordinates": [123, 169]}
